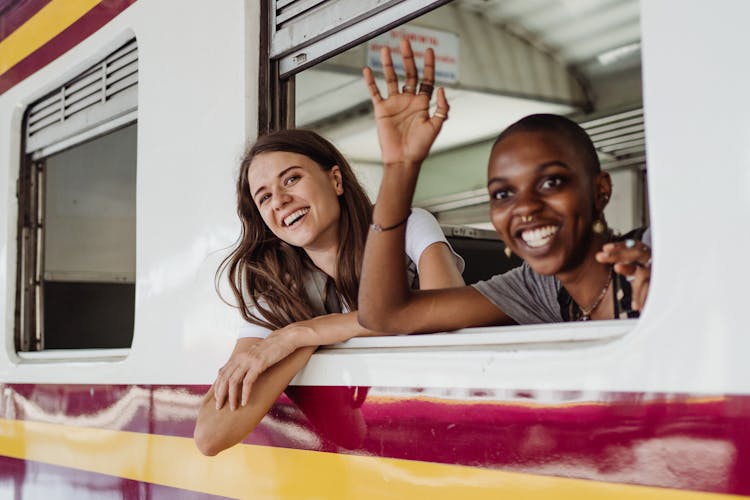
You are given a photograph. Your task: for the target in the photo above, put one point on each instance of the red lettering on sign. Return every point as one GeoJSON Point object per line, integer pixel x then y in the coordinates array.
{"type": "Point", "coordinates": [414, 37]}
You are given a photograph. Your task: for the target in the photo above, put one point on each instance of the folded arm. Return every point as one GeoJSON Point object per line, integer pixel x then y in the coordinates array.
{"type": "Point", "coordinates": [218, 429]}
{"type": "Point", "coordinates": [259, 370]}
{"type": "Point", "coordinates": [437, 269]}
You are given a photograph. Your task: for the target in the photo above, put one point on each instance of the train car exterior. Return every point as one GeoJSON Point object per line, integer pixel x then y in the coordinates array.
{"type": "Point", "coordinates": [654, 408]}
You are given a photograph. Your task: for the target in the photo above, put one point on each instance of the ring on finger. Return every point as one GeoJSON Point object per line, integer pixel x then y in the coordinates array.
{"type": "Point", "coordinates": [441, 115]}
{"type": "Point", "coordinates": [630, 243]}
{"type": "Point", "coordinates": [426, 88]}
{"type": "Point", "coordinates": [407, 89]}
{"type": "Point", "coordinates": [646, 265]}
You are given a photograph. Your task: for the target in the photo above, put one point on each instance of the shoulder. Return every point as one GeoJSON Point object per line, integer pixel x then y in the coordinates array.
{"type": "Point", "coordinates": [524, 295]}
{"type": "Point", "coordinates": [519, 278]}
{"type": "Point", "coordinates": [422, 230]}
{"type": "Point", "coordinates": [422, 220]}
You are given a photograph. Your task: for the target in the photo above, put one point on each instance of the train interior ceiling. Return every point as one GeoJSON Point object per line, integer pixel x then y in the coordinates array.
{"type": "Point", "coordinates": [499, 60]}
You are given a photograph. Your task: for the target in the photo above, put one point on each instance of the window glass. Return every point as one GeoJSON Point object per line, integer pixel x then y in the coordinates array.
{"type": "Point", "coordinates": [89, 243]}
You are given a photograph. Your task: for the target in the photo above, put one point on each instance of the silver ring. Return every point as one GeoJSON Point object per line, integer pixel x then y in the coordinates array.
{"type": "Point", "coordinates": [630, 243]}
{"type": "Point", "coordinates": [407, 89]}
{"type": "Point", "coordinates": [640, 264]}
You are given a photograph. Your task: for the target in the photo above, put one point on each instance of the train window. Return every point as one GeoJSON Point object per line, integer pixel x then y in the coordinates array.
{"type": "Point", "coordinates": [515, 60]}
{"type": "Point", "coordinates": [77, 203]}
{"type": "Point", "coordinates": [581, 60]}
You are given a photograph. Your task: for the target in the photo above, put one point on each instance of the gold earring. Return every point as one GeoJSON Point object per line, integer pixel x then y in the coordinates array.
{"type": "Point", "coordinates": [598, 226]}
{"type": "Point", "coordinates": [508, 252]}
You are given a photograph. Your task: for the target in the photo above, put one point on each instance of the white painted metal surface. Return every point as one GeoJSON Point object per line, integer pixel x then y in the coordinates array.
{"type": "Point", "coordinates": [691, 338]}
{"type": "Point", "coordinates": [197, 107]}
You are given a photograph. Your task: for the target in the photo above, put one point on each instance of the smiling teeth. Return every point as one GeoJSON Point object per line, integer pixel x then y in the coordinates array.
{"type": "Point", "coordinates": [289, 219]}
{"type": "Point", "coordinates": [538, 237]}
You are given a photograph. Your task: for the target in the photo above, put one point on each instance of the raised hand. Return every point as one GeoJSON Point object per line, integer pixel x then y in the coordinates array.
{"type": "Point", "coordinates": [632, 259]}
{"type": "Point", "coordinates": [406, 130]}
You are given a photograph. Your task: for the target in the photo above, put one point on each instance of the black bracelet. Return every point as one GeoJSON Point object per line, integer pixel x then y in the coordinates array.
{"type": "Point", "coordinates": [379, 229]}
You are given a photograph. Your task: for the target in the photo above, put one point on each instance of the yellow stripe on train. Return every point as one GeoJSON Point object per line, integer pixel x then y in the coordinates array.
{"type": "Point", "coordinates": [249, 471]}
{"type": "Point", "coordinates": [42, 27]}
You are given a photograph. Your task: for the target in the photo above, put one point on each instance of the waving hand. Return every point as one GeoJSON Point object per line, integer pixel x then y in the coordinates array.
{"type": "Point", "coordinates": [405, 128]}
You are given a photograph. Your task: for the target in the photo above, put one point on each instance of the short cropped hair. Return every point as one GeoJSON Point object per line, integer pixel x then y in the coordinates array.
{"type": "Point", "coordinates": [568, 131]}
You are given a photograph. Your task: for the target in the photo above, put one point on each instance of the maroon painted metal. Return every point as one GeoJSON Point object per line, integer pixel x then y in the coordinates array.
{"type": "Point", "coordinates": [693, 442]}
{"type": "Point", "coordinates": [13, 13]}
{"type": "Point", "coordinates": [88, 24]}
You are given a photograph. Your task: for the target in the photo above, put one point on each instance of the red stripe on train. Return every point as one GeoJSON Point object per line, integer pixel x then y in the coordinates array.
{"type": "Point", "coordinates": [86, 25]}
{"type": "Point", "coordinates": [13, 13]}
{"type": "Point", "coordinates": [692, 442]}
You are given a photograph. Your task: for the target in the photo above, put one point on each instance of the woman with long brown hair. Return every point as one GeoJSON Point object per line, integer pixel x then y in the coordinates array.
{"type": "Point", "coordinates": [295, 273]}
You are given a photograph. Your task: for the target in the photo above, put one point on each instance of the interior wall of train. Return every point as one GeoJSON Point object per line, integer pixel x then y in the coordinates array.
{"type": "Point", "coordinates": [499, 60]}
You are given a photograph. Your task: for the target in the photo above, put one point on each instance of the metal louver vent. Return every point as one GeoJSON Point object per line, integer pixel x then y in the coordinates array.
{"type": "Point", "coordinates": [620, 139]}
{"type": "Point", "coordinates": [101, 93]}
{"type": "Point", "coordinates": [306, 31]}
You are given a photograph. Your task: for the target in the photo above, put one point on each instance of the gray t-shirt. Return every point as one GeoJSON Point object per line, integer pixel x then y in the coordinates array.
{"type": "Point", "coordinates": [524, 295]}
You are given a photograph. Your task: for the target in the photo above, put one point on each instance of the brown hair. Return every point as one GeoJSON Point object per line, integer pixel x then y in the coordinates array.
{"type": "Point", "coordinates": [265, 273]}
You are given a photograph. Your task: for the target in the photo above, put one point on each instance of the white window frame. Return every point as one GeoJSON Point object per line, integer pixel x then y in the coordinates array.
{"type": "Point", "coordinates": [99, 100]}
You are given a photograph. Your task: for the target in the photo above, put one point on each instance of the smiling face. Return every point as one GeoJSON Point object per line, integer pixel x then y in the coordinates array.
{"type": "Point", "coordinates": [543, 200]}
{"type": "Point", "coordinates": [297, 198]}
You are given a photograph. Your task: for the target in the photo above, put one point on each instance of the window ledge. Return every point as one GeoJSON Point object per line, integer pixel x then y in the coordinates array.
{"type": "Point", "coordinates": [86, 355]}
{"type": "Point", "coordinates": [478, 338]}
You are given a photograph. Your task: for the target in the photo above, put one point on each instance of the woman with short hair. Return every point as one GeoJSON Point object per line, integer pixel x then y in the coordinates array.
{"type": "Point", "coordinates": [547, 198]}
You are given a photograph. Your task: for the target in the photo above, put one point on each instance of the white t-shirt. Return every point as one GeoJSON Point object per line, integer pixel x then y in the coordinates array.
{"type": "Point", "coordinates": [422, 230]}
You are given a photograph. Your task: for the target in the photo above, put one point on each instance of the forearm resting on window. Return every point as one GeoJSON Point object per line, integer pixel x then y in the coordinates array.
{"type": "Point", "coordinates": [217, 430]}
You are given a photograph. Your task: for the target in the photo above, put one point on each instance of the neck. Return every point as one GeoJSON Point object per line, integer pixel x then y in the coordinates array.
{"type": "Point", "coordinates": [586, 281]}
{"type": "Point", "coordinates": [325, 257]}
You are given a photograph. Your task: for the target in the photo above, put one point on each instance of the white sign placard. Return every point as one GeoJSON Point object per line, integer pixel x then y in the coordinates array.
{"type": "Point", "coordinates": [443, 43]}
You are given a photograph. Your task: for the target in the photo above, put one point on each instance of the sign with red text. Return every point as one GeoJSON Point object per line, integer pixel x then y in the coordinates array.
{"type": "Point", "coordinates": [443, 43]}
